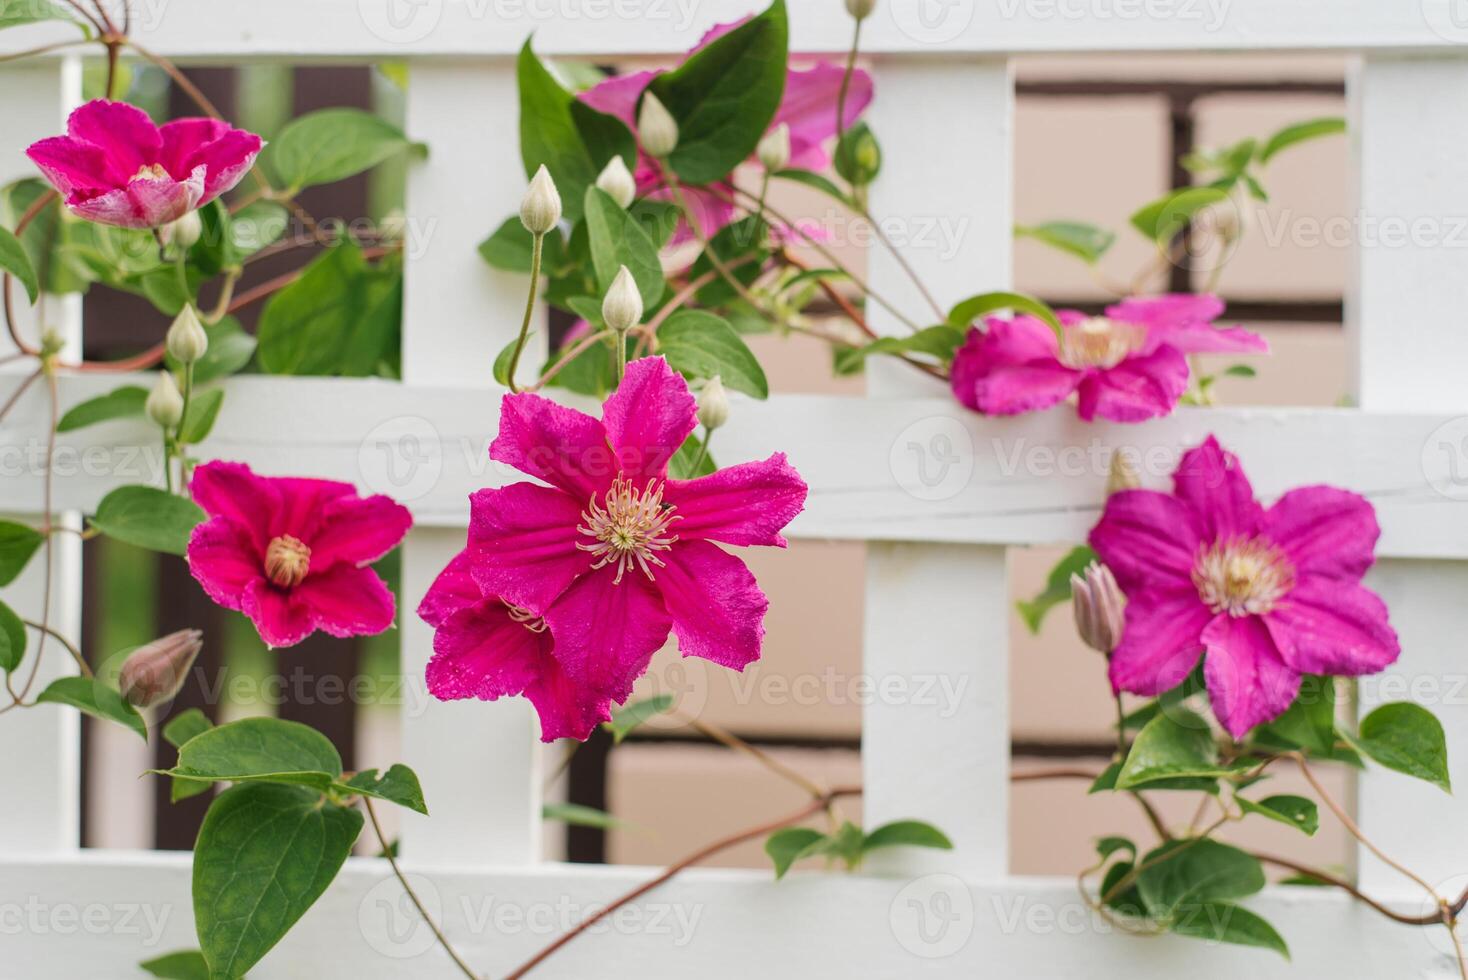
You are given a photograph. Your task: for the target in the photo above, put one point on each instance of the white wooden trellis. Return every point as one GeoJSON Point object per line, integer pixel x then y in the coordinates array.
{"type": "Point", "coordinates": [936, 595]}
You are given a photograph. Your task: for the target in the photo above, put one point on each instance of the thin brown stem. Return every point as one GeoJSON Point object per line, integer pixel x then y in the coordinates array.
{"type": "Point", "coordinates": [43, 49]}
{"type": "Point", "coordinates": [906, 266]}
{"type": "Point", "coordinates": [732, 741]}
{"type": "Point", "coordinates": [81, 662]}
{"type": "Point", "coordinates": [579, 348]}
{"type": "Point", "coordinates": [1334, 881]}
{"type": "Point", "coordinates": [20, 226]}
{"type": "Point", "coordinates": [88, 16]}
{"type": "Point", "coordinates": [20, 390]}
{"type": "Point", "coordinates": [49, 544]}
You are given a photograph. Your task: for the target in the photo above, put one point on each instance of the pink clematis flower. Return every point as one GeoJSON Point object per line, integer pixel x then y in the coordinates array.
{"type": "Point", "coordinates": [808, 108]}
{"type": "Point", "coordinates": [1128, 366]}
{"type": "Point", "coordinates": [117, 168]}
{"type": "Point", "coordinates": [1264, 595]}
{"type": "Point", "coordinates": [292, 554]}
{"type": "Point", "coordinates": [609, 558]}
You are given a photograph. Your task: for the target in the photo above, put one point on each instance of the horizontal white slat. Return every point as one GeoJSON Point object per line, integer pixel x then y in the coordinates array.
{"type": "Point", "coordinates": [97, 916]}
{"type": "Point", "coordinates": [334, 29]}
{"type": "Point", "coordinates": [895, 470]}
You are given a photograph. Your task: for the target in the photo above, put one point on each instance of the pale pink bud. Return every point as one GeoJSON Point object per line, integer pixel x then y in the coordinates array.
{"type": "Point", "coordinates": [153, 673]}
{"type": "Point", "coordinates": [1098, 604]}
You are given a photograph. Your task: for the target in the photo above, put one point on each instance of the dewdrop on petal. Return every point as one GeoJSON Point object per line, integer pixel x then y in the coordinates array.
{"type": "Point", "coordinates": [540, 211]}
{"type": "Point", "coordinates": [713, 404]}
{"type": "Point", "coordinates": [164, 404]}
{"type": "Point", "coordinates": [774, 148]}
{"type": "Point", "coordinates": [860, 9]}
{"type": "Point", "coordinates": [187, 341]}
{"type": "Point", "coordinates": [617, 181]}
{"type": "Point", "coordinates": [657, 130]}
{"type": "Point", "coordinates": [622, 308]}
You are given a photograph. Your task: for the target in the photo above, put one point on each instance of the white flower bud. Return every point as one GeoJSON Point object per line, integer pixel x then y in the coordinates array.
{"type": "Point", "coordinates": [1099, 608]}
{"type": "Point", "coordinates": [184, 232]}
{"type": "Point", "coordinates": [713, 404]}
{"type": "Point", "coordinates": [656, 128]}
{"type": "Point", "coordinates": [774, 149]}
{"type": "Point", "coordinates": [617, 181]}
{"type": "Point", "coordinates": [860, 9]}
{"type": "Point", "coordinates": [540, 211]}
{"type": "Point", "coordinates": [165, 405]}
{"type": "Point", "coordinates": [1123, 475]}
{"type": "Point", "coordinates": [187, 341]}
{"type": "Point", "coordinates": [622, 308]}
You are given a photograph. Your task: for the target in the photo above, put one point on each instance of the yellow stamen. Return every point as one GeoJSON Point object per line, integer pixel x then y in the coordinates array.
{"type": "Point", "coordinates": [631, 526]}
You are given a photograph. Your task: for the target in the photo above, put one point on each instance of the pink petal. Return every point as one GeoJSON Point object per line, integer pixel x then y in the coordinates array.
{"type": "Point", "coordinates": [747, 504]}
{"type": "Point", "coordinates": [1213, 484]}
{"type": "Point", "coordinates": [1326, 626]}
{"type": "Point", "coordinates": [1325, 531]}
{"type": "Point", "coordinates": [566, 709]}
{"type": "Point", "coordinates": [1137, 389]}
{"type": "Point", "coordinates": [123, 132]}
{"type": "Point", "coordinates": [225, 560]}
{"type": "Point", "coordinates": [181, 138]}
{"type": "Point", "coordinates": [454, 589]}
{"type": "Point", "coordinates": [563, 447]}
{"type": "Point", "coordinates": [717, 607]}
{"type": "Point", "coordinates": [357, 530]}
{"type": "Point", "coordinates": [281, 617]}
{"type": "Point", "coordinates": [606, 633]}
{"type": "Point", "coordinates": [1169, 310]}
{"type": "Point", "coordinates": [618, 96]}
{"type": "Point", "coordinates": [809, 109]}
{"type": "Point", "coordinates": [71, 166]}
{"type": "Point", "coordinates": [1201, 338]}
{"type": "Point", "coordinates": [302, 505]}
{"type": "Point", "coordinates": [141, 204]}
{"type": "Point", "coordinates": [1161, 643]}
{"type": "Point", "coordinates": [226, 160]}
{"type": "Point", "coordinates": [480, 652]}
{"type": "Point", "coordinates": [1248, 682]}
{"type": "Point", "coordinates": [526, 538]}
{"type": "Point", "coordinates": [232, 490]}
{"type": "Point", "coordinates": [348, 601]}
{"type": "Point", "coordinates": [1149, 540]}
{"type": "Point", "coordinates": [712, 211]}
{"type": "Point", "coordinates": [648, 417]}
{"type": "Point", "coordinates": [1011, 368]}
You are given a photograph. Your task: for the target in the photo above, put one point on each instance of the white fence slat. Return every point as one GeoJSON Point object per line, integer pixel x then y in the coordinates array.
{"type": "Point", "coordinates": [936, 614]}
{"type": "Point", "coordinates": [1407, 320]}
{"type": "Point", "coordinates": [45, 741]}
{"type": "Point", "coordinates": [480, 763]}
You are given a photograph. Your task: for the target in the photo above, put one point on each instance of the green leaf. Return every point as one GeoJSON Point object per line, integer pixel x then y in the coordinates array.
{"type": "Point", "coordinates": [14, 13]}
{"type": "Point", "coordinates": [1127, 900]}
{"type": "Point", "coordinates": [91, 696]}
{"type": "Point", "coordinates": [18, 542]}
{"type": "Point", "coordinates": [230, 350]}
{"type": "Point", "coordinates": [511, 248]}
{"type": "Point", "coordinates": [682, 467]}
{"type": "Point", "coordinates": [342, 317]}
{"type": "Point", "coordinates": [12, 639]}
{"type": "Point", "coordinates": [965, 313]}
{"type": "Point", "coordinates": [331, 144]}
{"type": "Point", "coordinates": [269, 750]}
{"type": "Point", "coordinates": [203, 410]}
{"type": "Point", "coordinates": [787, 846]}
{"type": "Point", "coordinates": [14, 260]}
{"type": "Point", "coordinates": [184, 726]}
{"type": "Point", "coordinates": [701, 345]}
{"type": "Point", "coordinates": [1299, 133]}
{"type": "Point", "coordinates": [255, 226]}
{"type": "Point", "coordinates": [1174, 744]}
{"type": "Point", "coordinates": [264, 855]}
{"type": "Point", "coordinates": [910, 833]}
{"type": "Point", "coordinates": [1057, 587]}
{"type": "Point", "coordinates": [46, 237]}
{"type": "Point", "coordinates": [1181, 873]}
{"type": "Point", "coordinates": [1310, 721]}
{"type": "Point", "coordinates": [1294, 811]}
{"type": "Point", "coordinates": [1224, 922]}
{"type": "Point", "coordinates": [186, 964]}
{"type": "Point", "coordinates": [1240, 371]}
{"type": "Point", "coordinates": [580, 816]}
{"type": "Point", "coordinates": [149, 518]}
{"type": "Point", "coordinates": [1086, 242]}
{"type": "Point", "coordinates": [1107, 846]}
{"type": "Point", "coordinates": [572, 140]}
{"type": "Point", "coordinates": [1407, 738]}
{"type": "Point", "coordinates": [1163, 218]}
{"type": "Point", "coordinates": [847, 844]}
{"type": "Point", "coordinates": [502, 360]}
{"type": "Point", "coordinates": [618, 239]}
{"type": "Point", "coordinates": [742, 247]}
{"type": "Point", "coordinates": [624, 720]}
{"type": "Point", "coordinates": [398, 785]}
{"type": "Point", "coordinates": [811, 179]}
{"type": "Point", "coordinates": [725, 96]}
{"type": "Point", "coordinates": [121, 403]}
{"type": "Point", "coordinates": [939, 342]}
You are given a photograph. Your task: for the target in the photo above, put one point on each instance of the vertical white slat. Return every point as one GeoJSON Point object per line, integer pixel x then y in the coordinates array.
{"type": "Point", "coordinates": [937, 614]}
{"type": "Point", "coordinates": [1406, 321]}
{"type": "Point", "coordinates": [46, 740]}
{"type": "Point", "coordinates": [479, 763]}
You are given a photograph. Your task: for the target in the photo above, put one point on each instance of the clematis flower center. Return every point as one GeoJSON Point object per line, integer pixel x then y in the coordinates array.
{"type": "Point", "coordinates": [1100, 342]}
{"type": "Point", "coordinates": [628, 528]}
{"type": "Point", "coordinates": [526, 618]}
{"type": "Point", "coordinates": [287, 560]}
{"type": "Point", "coordinates": [1242, 576]}
{"type": "Point", "coordinates": [151, 171]}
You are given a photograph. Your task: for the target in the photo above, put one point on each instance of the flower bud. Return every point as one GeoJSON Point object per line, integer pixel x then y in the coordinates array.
{"type": "Point", "coordinates": [713, 404]}
{"type": "Point", "coordinates": [859, 155]}
{"type": "Point", "coordinates": [165, 405]}
{"type": "Point", "coordinates": [1098, 605]}
{"type": "Point", "coordinates": [154, 673]}
{"type": "Point", "coordinates": [1123, 475]}
{"type": "Point", "coordinates": [622, 308]}
{"type": "Point", "coordinates": [657, 130]}
{"type": "Point", "coordinates": [184, 232]}
{"type": "Point", "coordinates": [860, 9]}
{"type": "Point", "coordinates": [774, 149]}
{"type": "Point", "coordinates": [540, 211]}
{"type": "Point", "coordinates": [617, 181]}
{"type": "Point", "coordinates": [187, 341]}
